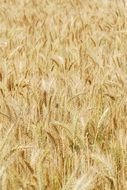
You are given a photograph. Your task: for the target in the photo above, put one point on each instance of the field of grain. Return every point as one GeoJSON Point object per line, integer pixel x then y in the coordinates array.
{"type": "Point", "coordinates": [63, 94]}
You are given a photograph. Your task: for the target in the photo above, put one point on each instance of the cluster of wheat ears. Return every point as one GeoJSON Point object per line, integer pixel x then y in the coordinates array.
{"type": "Point", "coordinates": [63, 95]}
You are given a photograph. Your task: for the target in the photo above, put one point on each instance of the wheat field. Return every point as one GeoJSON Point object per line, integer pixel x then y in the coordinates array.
{"type": "Point", "coordinates": [63, 94]}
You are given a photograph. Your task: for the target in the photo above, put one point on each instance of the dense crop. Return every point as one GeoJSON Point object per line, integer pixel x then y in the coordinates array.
{"type": "Point", "coordinates": [63, 95]}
